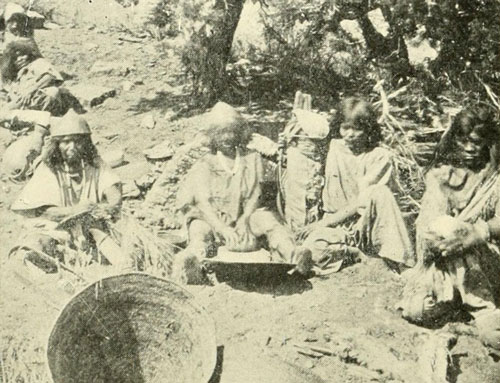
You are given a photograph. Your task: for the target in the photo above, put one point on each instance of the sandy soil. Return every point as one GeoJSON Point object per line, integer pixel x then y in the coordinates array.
{"type": "Point", "coordinates": [258, 328]}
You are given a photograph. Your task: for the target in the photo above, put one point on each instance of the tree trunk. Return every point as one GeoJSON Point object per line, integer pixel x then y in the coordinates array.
{"type": "Point", "coordinates": [390, 51]}
{"type": "Point", "coordinates": [210, 48]}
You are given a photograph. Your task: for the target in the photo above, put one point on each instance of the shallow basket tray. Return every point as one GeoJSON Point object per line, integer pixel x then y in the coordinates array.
{"type": "Point", "coordinates": [132, 328]}
{"type": "Point", "coordinates": [256, 265]}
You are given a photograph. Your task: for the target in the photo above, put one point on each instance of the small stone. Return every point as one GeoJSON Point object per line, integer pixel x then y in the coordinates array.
{"type": "Point", "coordinates": [169, 114]}
{"type": "Point", "coordinates": [309, 364]}
{"type": "Point", "coordinates": [90, 46]}
{"type": "Point", "coordinates": [52, 26]}
{"type": "Point", "coordinates": [148, 122]}
{"type": "Point", "coordinates": [127, 86]}
{"type": "Point", "coordinates": [114, 158]}
{"type": "Point", "coordinates": [162, 151]}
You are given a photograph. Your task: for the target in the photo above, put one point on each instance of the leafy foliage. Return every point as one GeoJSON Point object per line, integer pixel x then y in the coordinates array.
{"type": "Point", "coordinates": [306, 47]}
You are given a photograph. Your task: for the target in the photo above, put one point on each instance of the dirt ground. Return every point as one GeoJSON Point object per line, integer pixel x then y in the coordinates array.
{"type": "Point", "coordinates": [258, 328]}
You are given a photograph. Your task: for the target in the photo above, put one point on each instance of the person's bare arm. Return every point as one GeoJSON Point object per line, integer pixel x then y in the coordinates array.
{"type": "Point", "coordinates": [111, 205]}
{"type": "Point", "coordinates": [107, 209]}
{"type": "Point", "coordinates": [59, 213]}
{"type": "Point", "coordinates": [210, 215]}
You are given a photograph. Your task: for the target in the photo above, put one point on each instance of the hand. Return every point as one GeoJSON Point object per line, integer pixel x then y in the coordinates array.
{"type": "Point", "coordinates": [22, 61]}
{"type": "Point", "coordinates": [83, 207]}
{"type": "Point", "coordinates": [230, 237]}
{"type": "Point", "coordinates": [308, 229]}
{"type": "Point", "coordinates": [241, 226]}
{"type": "Point", "coordinates": [473, 235]}
{"type": "Point", "coordinates": [282, 141]}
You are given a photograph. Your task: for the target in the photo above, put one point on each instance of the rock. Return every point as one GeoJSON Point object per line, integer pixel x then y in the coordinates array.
{"type": "Point", "coordinates": [130, 190]}
{"type": "Point", "coordinates": [36, 19]}
{"type": "Point", "coordinates": [127, 86]}
{"type": "Point", "coordinates": [434, 357]}
{"type": "Point", "coordinates": [52, 26]}
{"type": "Point", "coordinates": [115, 68]}
{"type": "Point", "coordinates": [114, 158]}
{"type": "Point", "coordinates": [90, 46]}
{"type": "Point", "coordinates": [169, 115]}
{"type": "Point", "coordinates": [148, 121]}
{"type": "Point", "coordinates": [162, 151]}
{"type": "Point", "coordinates": [91, 95]}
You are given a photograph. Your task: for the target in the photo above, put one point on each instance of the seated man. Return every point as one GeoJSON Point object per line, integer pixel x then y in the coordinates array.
{"type": "Point", "coordinates": [72, 195]}
{"type": "Point", "coordinates": [458, 230]}
{"type": "Point", "coordinates": [360, 211]}
{"type": "Point", "coordinates": [220, 199]}
{"type": "Point", "coordinates": [17, 23]}
{"type": "Point", "coordinates": [32, 82]}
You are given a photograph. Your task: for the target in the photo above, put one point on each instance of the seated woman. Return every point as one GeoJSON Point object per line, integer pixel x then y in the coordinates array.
{"type": "Point", "coordinates": [458, 230]}
{"type": "Point", "coordinates": [72, 195]}
{"type": "Point", "coordinates": [32, 82]}
{"type": "Point", "coordinates": [220, 201]}
{"type": "Point", "coordinates": [360, 211]}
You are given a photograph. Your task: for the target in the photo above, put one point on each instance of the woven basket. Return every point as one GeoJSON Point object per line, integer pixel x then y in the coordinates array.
{"type": "Point", "coordinates": [132, 328]}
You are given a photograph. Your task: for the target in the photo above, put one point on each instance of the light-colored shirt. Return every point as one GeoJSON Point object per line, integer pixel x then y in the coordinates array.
{"type": "Point", "coordinates": [226, 190]}
{"type": "Point", "coordinates": [347, 175]}
{"type": "Point", "coordinates": [52, 187]}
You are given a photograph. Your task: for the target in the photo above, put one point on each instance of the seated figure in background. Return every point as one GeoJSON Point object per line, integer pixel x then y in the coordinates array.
{"type": "Point", "coordinates": [220, 200]}
{"type": "Point", "coordinates": [32, 82]}
{"type": "Point", "coordinates": [17, 23]}
{"type": "Point", "coordinates": [71, 197]}
{"type": "Point", "coordinates": [360, 211]}
{"type": "Point", "coordinates": [458, 230]}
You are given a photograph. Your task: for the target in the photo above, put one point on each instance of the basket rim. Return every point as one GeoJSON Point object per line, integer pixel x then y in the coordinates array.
{"type": "Point", "coordinates": [192, 302]}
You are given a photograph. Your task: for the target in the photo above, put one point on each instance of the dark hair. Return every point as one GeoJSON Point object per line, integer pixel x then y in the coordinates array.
{"type": "Point", "coordinates": [15, 49]}
{"type": "Point", "coordinates": [51, 155]}
{"type": "Point", "coordinates": [479, 118]}
{"type": "Point", "coordinates": [357, 108]}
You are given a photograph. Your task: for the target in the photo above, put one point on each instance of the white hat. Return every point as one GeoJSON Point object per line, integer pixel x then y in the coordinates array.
{"type": "Point", "coordinates": [70, 123]}
{"type": "Point", "coordinates": [12, 9]}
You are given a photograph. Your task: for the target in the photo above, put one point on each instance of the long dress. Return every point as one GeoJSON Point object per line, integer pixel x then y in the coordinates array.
{"type": "Point", "coordinates": [378, 227]}
{"type": "Point", "coordinates": [474, 274]}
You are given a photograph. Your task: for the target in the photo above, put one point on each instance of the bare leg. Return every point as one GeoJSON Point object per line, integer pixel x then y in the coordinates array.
{"type": "Point", "coordinates": [279, 237]}
{"type": "Point", "coordinates": [186, 268]}
{"type": "Point", "coordinates": [281, 240]}
{"type": "Point", "coordinates": [488, 325]}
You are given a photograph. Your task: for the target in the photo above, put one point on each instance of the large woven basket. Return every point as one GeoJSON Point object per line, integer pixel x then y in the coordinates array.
{"type": "Point", "coordinates": [132, 328]}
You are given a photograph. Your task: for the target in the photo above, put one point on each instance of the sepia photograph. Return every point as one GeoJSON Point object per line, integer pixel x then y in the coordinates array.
{"type": "Point", "coordinates": [249, 191]}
